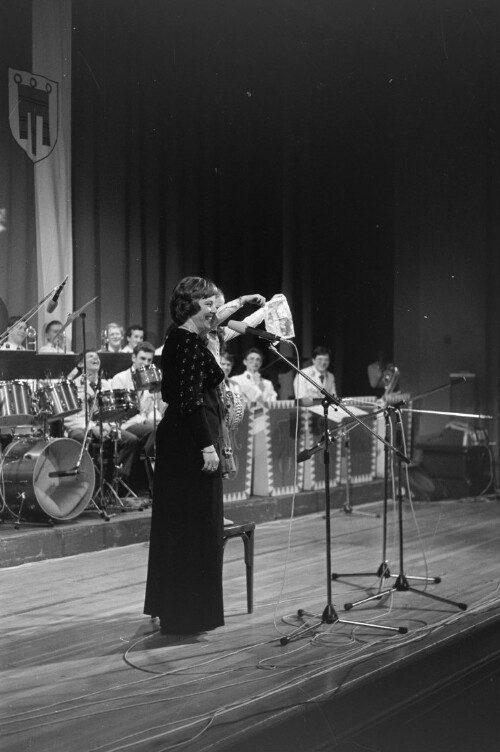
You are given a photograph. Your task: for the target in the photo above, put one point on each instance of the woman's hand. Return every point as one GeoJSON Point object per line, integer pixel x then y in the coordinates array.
{"type": "Point", "coordinates": [256, 299]}
{"type": "Point", "coordinates": [210, 460]}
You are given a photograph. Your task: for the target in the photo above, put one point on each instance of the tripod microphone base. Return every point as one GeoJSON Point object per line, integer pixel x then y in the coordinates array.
{"type": "Point", "coordinates": [401, 585]}
{"type": "Point", "coordinates": [330, 616]}
{"type": "Point", "coordinates": [382, 571]}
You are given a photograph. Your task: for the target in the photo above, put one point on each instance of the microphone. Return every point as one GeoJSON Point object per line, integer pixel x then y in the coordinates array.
{"type": "Point", "coordinates": [53, 303]}
{"type": "Point", "coordinates": [242, 328]}
{"type": "Point", "coordinates": [64, 473]}
{"type": "Point", "coordinates": [304, 455]}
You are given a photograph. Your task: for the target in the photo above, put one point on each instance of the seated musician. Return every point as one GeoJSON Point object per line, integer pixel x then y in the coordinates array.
{"type": "Point", "coordinates": [306, 392]}
{"type": "Point", "coordinates": [55, 342]}
{"type": "Point", "coordinates": [253, 387]}
{"type": "Point", "coordinates": [16, 326]}
{"type": "Point", "coordinates": [226, 363]}
{"type": "Point", "coordinates": [112, 338]}
{"type": "Point", "coordinates": [76, 425]}
{"type": "Point", "coordinates": [133, 335]}
{"type": "Point", "coordinates": [151, 407]}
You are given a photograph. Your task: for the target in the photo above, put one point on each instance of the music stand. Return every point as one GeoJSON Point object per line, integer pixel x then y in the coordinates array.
{"type": "Point", "coordinates": [345, 453]}
{"type": "Point", "coordinates": [329, 614]}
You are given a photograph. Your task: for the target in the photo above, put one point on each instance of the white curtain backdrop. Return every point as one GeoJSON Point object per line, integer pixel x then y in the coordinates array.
{"type": "Point", "coordinates": [52, 59]}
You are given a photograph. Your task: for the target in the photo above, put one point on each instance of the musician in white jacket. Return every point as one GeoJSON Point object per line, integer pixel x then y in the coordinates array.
{"type": "Point", "coordinates": [150, 405]}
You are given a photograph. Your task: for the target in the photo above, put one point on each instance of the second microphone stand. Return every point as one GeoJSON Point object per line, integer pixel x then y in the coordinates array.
{"type": "Point", "coordinates": [329, 614]}
{"type": "Point", "coordinates": [402, 580]}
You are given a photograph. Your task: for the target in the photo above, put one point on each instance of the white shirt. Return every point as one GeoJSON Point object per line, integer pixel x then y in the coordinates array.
{"type": "Point", "coordinates": [254, 388]}
{"type": "Point", "coordinates": [303, 388]}
{"type": "Point", "coordinates": [10, 346]}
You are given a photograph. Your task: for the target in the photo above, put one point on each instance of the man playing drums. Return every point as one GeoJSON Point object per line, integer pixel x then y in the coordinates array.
{"type": "Point", "coordinates": [145, 379]}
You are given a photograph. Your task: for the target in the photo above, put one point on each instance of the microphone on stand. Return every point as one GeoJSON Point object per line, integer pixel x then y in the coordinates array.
{"type": "Point", "coordinates": [242, 328]}
{"type": "Point", "coordinates": [306, 454]}
{"type": "Point", "coordinates": [53, 302]}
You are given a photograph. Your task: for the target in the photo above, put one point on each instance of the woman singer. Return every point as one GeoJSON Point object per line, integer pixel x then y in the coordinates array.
{"type": "Point", "coordinates": [184, 580]}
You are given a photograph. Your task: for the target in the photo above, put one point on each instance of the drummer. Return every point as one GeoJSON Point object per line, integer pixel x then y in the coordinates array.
{"type": "Point", "coordinates": [151, 407]}
{"type": "Point", "coordinates": [76, 424]}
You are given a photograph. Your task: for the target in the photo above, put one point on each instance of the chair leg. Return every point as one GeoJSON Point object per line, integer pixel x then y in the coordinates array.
{"type": "Point", "coordinates": [249, 553]}
{"type": "Point", "coordinates": [248, 545]}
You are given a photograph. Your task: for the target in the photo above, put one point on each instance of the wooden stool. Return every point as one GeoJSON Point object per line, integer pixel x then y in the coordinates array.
{"type": "Point", "coordinates": [245, 531]}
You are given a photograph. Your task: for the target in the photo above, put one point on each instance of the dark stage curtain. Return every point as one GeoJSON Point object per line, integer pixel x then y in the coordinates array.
{"type": "Point", "coordinates": [246, 140]}
{"type": "Point", "coordinates": [18, 265]}
{"type": "Point", "coordinates": [228, 139]}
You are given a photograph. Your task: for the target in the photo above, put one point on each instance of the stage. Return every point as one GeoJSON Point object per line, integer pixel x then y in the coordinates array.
{"type": "Point", "coordinates": [83, 670]}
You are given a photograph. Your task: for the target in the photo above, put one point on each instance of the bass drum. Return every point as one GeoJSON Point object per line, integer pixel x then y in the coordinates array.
{"type": "Point", "coordinates": [33, 481]}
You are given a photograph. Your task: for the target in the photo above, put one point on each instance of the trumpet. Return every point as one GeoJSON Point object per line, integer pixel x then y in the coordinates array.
{"type": "Point", "coordinates": [31, 338]}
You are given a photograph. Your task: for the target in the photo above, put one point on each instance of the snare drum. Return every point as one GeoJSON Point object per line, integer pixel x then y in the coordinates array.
{"type": "Point", "coordinates": [147, 377]}
{"type": "Point", "coordinates": [118, 404]}
{"type": "Point", "coordinates": [41, 479]}
{"type": "Point", "coordinates": [16, 404]}
{"type": "Point", "coordinates": [58, 400]}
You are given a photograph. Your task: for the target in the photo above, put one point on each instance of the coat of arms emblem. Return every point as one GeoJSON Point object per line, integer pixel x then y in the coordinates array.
{"type": "Point", "coordinates": [33, 113]}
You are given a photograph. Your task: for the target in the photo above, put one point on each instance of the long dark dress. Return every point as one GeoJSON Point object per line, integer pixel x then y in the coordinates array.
{"type": "Point", "coordinates": [184, 581]}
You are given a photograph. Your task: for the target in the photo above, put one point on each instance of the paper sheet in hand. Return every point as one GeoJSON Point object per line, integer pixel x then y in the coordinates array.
{"type": "Point", "coordinates": [278, 317]}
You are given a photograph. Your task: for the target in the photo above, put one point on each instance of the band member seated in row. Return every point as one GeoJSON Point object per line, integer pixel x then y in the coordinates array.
{"type": "Point", "coordinates": [226, 363]}
{"type": "Point", "coordinates": [55, 342]}
{"type": "Point", "coordinates": [134, 335]}
{"type": "Point", "coordinates": [16, 326]}
{"type": "Point", "coordinates": [253, 387]}
{"type": "Point", "coordinates": [306, 392]}
{"type": "Point", "coordinates": [76, 425]}
{"type": "Point", "coordinates": [112, 338]}
{"type": "Point", "coordinates": [151, 406]}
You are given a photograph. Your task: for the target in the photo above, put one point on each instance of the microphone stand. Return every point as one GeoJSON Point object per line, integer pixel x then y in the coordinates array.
{"type": "Point", "coordinates": [402, 580]}
{"type": "Point", "coordinates": [26, 317]}
{"type": "Point", "coordinates": [384, 572]}
{"type": "Point", "coordinates": [329, 615]}
{"type": "Point", "coordinates": [101, 510]}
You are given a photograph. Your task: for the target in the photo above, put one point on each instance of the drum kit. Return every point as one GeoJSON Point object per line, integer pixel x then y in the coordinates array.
{"type": "Point", "coordinates": [33, 486]}
{"type": "Point", "coordinates": [46, 479]}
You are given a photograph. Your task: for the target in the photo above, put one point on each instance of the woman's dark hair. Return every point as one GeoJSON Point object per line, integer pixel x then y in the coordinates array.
{"type": "Point", "coordinates": [184, 301]}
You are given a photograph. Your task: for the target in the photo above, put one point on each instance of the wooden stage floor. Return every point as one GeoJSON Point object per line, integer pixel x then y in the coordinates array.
{"type": "Point", "coordinates": [84, 671]}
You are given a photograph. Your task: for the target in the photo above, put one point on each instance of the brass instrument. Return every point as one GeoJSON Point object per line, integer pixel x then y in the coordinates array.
{"type": "Point", "coordinates": [31, 338]}
{"type": "Point", "coordinates": [390, 378]}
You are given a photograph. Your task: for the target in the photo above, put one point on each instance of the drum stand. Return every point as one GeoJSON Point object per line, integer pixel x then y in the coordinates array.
{"type": "Point", "coordinates": [107, 492]}
{"type": "Point", "coordinates": [401, 583]}
{"type": "Point", "coordinates": [98, 497]}
{"type": "Point", "coordinates": [118, 482]}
